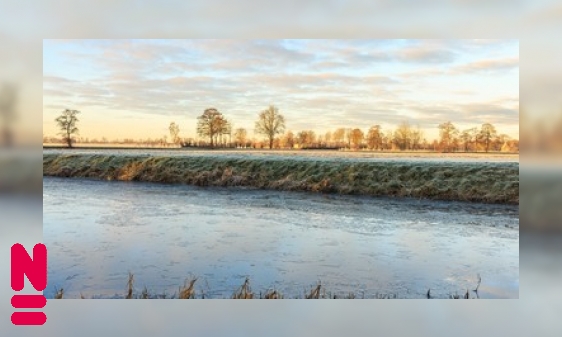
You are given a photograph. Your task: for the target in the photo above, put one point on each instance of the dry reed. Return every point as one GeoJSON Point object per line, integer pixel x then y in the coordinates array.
{"type": "Point", "coordinates": [188, 291]}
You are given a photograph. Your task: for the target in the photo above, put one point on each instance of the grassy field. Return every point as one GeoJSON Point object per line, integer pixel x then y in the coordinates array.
{"type": "Point", "coordinates": [487, 182]}
{"type": "Point", "coordinates": [297, 154]}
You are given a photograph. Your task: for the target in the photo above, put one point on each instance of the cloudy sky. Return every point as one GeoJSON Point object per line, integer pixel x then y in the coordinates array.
{"type": "Point", "coordinates": [135, 88]}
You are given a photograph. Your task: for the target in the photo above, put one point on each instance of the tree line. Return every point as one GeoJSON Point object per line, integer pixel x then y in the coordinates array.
{"type": "Point", "coordinates": [216, 131]}
{"type": "Point", "coordinates": [271, 125]}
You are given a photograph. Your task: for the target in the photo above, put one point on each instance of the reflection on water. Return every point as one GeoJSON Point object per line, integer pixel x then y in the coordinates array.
{"type": "Point", "coordinates": [97, 232]}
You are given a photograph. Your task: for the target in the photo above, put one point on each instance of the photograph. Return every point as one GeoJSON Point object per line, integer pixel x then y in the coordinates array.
{"type": "Point", "coordinates": [281, 168]}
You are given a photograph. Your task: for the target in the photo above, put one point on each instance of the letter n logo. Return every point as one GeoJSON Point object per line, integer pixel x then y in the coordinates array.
{"type": "Point", "coordinates": [36, 271]}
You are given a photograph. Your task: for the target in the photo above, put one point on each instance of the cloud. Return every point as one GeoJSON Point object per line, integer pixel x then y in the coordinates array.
{"type": "Point", "coordinates": [317, 84]}
{"type": "Point", "coordinates": [473, 114]}
{"type": "Point", "coordinates": [488, 65]}
{"type": "Point", "coordinates": [425, 54]}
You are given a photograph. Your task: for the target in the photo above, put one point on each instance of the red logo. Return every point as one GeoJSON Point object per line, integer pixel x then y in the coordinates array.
{"type": "Point", "coordinates": [36, 271]}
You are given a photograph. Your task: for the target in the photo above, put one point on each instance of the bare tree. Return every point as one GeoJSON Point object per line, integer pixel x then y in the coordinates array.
{"type": "Point", "coordinates": [424, 144]}
{"type": "Point", "coordinates": [288, 140]}
{"type": "Point", "coordinates": [210, 124]}
{"type": "Point", "coordinates": [447, 131]}
{"type": "Point", "coordinates": [416, 136]}
{"type": "Point", "coordinates": [306, 138]}
{"type": "Point", "coordinates": [338, 136]}
{"type": "Point", "coordinates": [402, 136]}
{"type": "Point", "coordinates": [320, 141]}
{"type": "Point", "coordinates": [374, 137]}
{"type": "Point", "coordinates": [348, 132]}
{"type": "Point", "coordinates": [328, 138]}
{"type": "Point", "coordinates": [467, 137]}
{"type": "Point", "coordinates": [487, 135]}
{"type": "Point", "coordinates": [174, 132]}
{"type": "Point", "coordinates": [386, 140]}
{"type": "Point", "coordinates": [500, 141]}
{"type": "Point", "coordinates": [240, 136]}
{"type": "Point", "coordinates": [270, 123]}
{"type": "Point", "coordinates": [511, 145]}
{"type": "Point", "coordinates": [67, 124]}
{"type": "Point", "coordinates": [356, 138]}
{"type": "Point", "coordinates": [224, 130]}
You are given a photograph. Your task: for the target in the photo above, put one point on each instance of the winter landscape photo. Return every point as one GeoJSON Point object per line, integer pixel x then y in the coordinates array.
{"type": "Point", "coordinates": [281, 169]}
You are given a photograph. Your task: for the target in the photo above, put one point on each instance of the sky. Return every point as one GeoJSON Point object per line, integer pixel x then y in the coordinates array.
{"type": "Point", "coordinates": [136, 88]}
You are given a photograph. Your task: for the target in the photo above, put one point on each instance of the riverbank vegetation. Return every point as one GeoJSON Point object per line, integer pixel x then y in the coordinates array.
{"type": "Point", "coordinates": [460, 181]}
{"type": "Point", "coordinates": [245, 292]}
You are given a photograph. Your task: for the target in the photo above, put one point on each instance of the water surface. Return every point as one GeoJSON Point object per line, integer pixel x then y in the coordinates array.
{"type": "Point", "coordinates": [99, 231]}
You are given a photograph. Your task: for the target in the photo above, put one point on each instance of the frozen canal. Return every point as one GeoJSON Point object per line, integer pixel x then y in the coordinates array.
{"type": "Point", "coordinates": [97, 232]}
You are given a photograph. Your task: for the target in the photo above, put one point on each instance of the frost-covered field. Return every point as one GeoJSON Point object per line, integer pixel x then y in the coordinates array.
{"type": "Point", "coordinates": [305, 154]}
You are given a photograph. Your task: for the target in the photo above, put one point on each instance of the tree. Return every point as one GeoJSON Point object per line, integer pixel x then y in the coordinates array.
{"type": "Point", "coordinates": [67, 124]}
{"type": "Point", "coordinates": [348, 136]}
{"type": "Point", "coordinates": [487, 135]}
{"type": "Point", "coordinates": [338, 136]}
{"type": "Point", "coordinates": [510, 146]}
{"type": "Point", "coordinates": [210, 124]}
{"type": "Point", "coordinates": [386, 139]}
{"type": "Point", "coordinates": [240, 136]}
{"type": "Point", "coordinates": [270, 123]}
{"type": "Point", "coordinates": [447, 132]}
{"type": "Point", "coordinates": [288, 140]}
{"type": "Point", "coordinates": [416, 136]}
{"type": "Point", "coordinates": [328, 138]}
{"type": "Point", "coordinates": [174, 132]}
{"type": "Point", "coordinates": [435, 145]}
{"type": "Point", "coordinates": [374, 137]}
{"type": "Point", "coordinates": [500, 141]}
{"type": "Point", "coordinates": [225, 128]}
{"type": "Point", "coordinates": [402, 136]}
{"type": "Point", "coordinates": [320, 141]}
{"type": "Point", "coordinates": [424, 144]}
{"type": "Point", "coordinates": [356, 138]}
{"type": "Point", "coordinates": [467, 137]}
{"type": "Point", "coordinates": [306, 138]}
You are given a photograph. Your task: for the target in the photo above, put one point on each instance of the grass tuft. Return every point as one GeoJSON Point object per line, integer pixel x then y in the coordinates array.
{"type": "Point", "coordinates": [187, 292]}
{"type": "Point", "coordinates": [244, 292]}
{"type": "Point", "coordinates": [314, 293]}
{"type": "Point", "coordinates": [130, 283]}
{"type": "Point", "coordinates": [59, 293]}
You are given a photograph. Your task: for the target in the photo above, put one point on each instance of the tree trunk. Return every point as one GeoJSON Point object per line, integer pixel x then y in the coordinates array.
{"type": "Point", "coordinates": [68, 139]}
